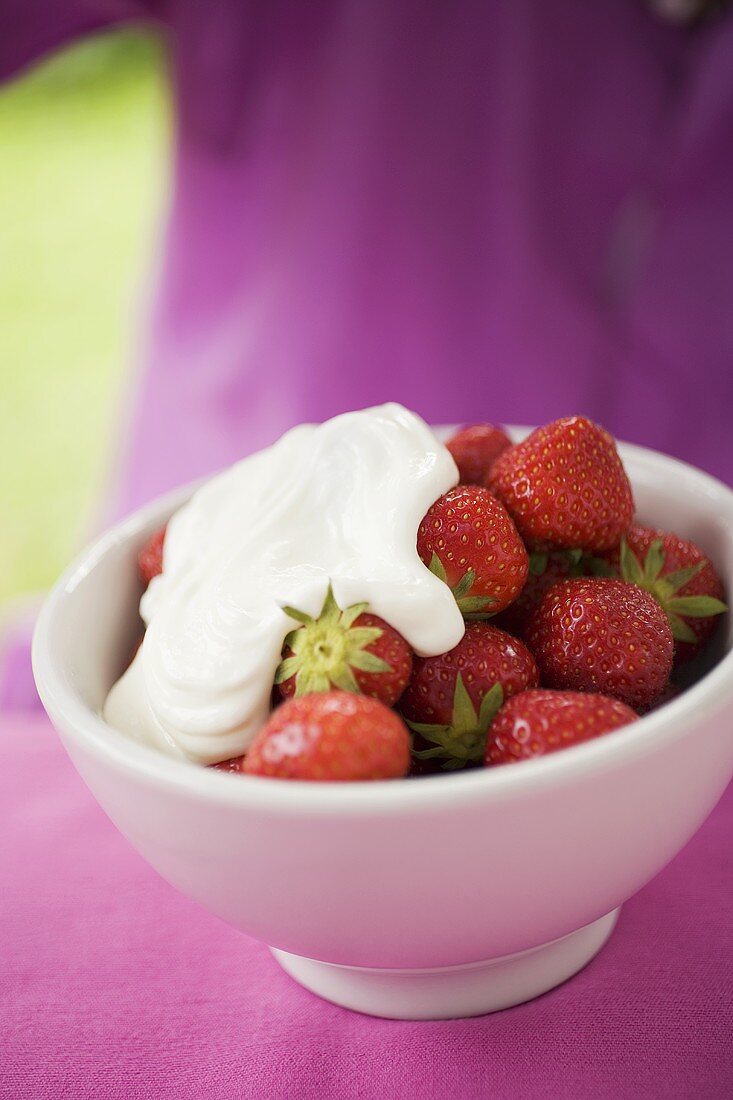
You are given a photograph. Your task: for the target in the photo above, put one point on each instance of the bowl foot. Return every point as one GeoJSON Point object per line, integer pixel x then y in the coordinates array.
{"type": "Point", "coordinates": [449, 992]}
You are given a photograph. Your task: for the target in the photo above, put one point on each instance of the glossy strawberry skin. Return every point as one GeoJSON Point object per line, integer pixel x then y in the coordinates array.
{"type": "Point", "coordinates": [606, 636]}
{"type": "Point", "coordinates": [475, 448]}
{"type": "Point", "coordinates": [331, 736]}
{"type": "Point", "coordinates": [542, 721]}
{"type": "Point", "coordinates": [679, 554]}
{"type": "Point", "coordinates": [565, 487]}
{"type": "Point", "coordinates": [233, 766]}
{"type": "Point", "coordinates": [669, 694]}
{"type": "Point", "coordinates": [484, 656]}
{"type": "Point", "coordinates": [560, 565]}
{"type": "Point", "coordinates": [150, 558]}
{"type": "Point", "coordinates": [452, 699]}
{"type": "Point", "coordinates": [471, 535]}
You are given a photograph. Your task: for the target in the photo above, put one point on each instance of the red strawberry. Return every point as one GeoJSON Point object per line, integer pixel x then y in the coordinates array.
{"type": "Point", "coordinates": [467, 538]}
{"type": "Point", "coordinates": [670, 692]}
{"type": "Point", "coordinates": [150, 558]}
{"type": "Point", "coordinates": [604, 636]}
{"type": "Point", "coordinates": [352, 650]}
{"type": "Point", "coordinates": [545, 569]}
{"type": "Point", "coordinates": [681, 579]}
{"type": "Point", "coordinates": [538, 722]}
{"type": "Point", "coordinates": [233, 765]}
{"type": "Point", "coordinates": [475, 449]}
{"type": "Point", "coordinates": [565, 487]}
{"type": "Point", "coordinates": [329, 736]}
{"type": "Point", "coordinates": [452, 698]}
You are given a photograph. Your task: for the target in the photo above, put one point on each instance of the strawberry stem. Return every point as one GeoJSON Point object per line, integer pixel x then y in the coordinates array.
{"type": "Point", "coordinates": [665, 586]}
{"type": "Point", "coordinates": [463, 741]}
{"type": "Point", "coordinates": [326, 649]}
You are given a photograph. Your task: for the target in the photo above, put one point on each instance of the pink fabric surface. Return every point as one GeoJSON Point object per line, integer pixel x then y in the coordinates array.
{"type": "Point", "coordinates": [113, 985]}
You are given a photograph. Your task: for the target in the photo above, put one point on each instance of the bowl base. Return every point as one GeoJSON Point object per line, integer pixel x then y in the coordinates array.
{"type": "Point", "coordinates": [445, 993]}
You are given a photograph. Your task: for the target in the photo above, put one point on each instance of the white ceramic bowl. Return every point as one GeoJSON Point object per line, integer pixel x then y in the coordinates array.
{"type": "Point", "coordinates": [444, 896]}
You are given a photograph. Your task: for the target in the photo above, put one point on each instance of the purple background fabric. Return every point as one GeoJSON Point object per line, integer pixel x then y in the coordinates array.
{"type": "Point", "coordinates": [115, 986]}
{"type": "Point", "coordinates": [509, 211]}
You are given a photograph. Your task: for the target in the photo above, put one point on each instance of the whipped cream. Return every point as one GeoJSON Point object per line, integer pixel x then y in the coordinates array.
{"type": "Point", "coordinates": [336, 503]}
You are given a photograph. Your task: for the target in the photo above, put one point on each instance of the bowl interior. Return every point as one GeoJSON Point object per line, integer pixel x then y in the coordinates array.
{"type": "Point", "coordinates": [90, 624]}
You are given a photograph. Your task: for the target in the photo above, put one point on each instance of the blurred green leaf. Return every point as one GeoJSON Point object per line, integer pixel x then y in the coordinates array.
{"type": "Point", "coordinates": [83, 173]}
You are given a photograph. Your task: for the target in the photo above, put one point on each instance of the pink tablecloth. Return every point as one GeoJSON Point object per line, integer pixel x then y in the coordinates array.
{"type": "Point", "coordinates": [113, 985]}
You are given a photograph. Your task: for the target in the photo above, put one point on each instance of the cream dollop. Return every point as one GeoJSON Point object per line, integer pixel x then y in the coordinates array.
{"type": "Point", "coordinates": [336, 503]}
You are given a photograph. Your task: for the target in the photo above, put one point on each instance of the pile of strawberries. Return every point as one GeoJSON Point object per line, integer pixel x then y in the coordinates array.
{"type": "Point", "coordinates": [576, 619]}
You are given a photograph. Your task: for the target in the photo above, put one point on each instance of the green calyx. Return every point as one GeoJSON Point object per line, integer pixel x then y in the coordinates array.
{"type": "Point", "coordinates": [664, 588]}
{"type": "Point", "coordinates": [325, 650]}
{"type": "Point", "coordinates": [471, 607]}
{"type": "Point", "coordinates": [538, 563]}
{"type": "Point", "coordinates": [464, 740]}
{"type": "Point", "coordinates": [579, 563]}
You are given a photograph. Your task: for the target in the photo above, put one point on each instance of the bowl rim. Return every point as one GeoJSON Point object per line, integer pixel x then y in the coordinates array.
{"type": "Point", "coordinates": [85, 727]}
